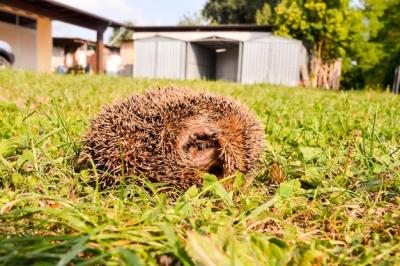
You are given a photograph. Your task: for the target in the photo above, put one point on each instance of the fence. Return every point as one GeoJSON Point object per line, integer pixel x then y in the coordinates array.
{"type": "Point", "coordinates": [396, 83]}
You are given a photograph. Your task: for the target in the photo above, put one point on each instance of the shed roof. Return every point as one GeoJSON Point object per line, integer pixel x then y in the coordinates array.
{"type": "Point", "coordinates": [230, 27]}
{"type": "Point", "coordinates": [212, 34]}
{"type": "Point", "coordinates": [189, 36]}
{"type": "Point", "coordinates": [62, 12]}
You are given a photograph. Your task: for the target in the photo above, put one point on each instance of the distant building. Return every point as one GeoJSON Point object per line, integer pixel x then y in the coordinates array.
{"type": "Point", "coordinates": [127, 55]}
{"type": "Point", "coordinates": [29, 36]}
{"type": "Point", "coordinates": [78, 55]}
{"type": "Point", "coordinates": [26, 26]}
{"type": "Point", "coordinates": [238, 53]}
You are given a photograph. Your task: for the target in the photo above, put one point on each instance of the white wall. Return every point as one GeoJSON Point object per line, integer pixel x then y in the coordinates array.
{"type": "Point", "coordinates": [23, 41]}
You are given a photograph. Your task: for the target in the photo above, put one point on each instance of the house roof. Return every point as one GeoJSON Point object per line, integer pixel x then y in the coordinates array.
{"type": "Point", "coordinates": [62, 12]}
{"type": "Point", "coordinates": [231, 27]}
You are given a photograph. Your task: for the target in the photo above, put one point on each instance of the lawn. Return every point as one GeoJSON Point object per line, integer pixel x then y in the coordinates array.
{"type": "Point", "coordinates": [329, 193]}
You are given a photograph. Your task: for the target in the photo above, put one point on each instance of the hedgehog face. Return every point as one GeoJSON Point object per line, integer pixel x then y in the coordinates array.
{"type": "Point", "coordinates": [203, 150]}
{"type": "Point", "coordinates": [199, 144]}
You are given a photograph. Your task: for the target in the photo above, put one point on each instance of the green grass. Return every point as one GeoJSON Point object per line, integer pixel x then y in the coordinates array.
{"type": "Point", "coordinates": [329, 193]}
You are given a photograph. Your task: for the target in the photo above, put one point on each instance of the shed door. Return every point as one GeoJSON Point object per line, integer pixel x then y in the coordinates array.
{"type": "Point", "coordinates": [160, 58]}
{"type": "Point", "coordinates": [170, 59]}
{"type": "Point", "coordinates": [144, 59]}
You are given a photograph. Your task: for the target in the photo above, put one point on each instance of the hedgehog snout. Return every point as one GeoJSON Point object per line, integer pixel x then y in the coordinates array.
{"type": "Point", "coordinates": [207, 158]}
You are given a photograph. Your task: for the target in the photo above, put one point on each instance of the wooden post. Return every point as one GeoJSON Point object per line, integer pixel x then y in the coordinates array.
{"type": "Point", "coordinates": [99, 52]}
{"type": "Point", "coordinates": [305, 76]}
{"type": "Point", "coordinates": [337, 73]}
{"type": "Point", "coordinates": [396, 83]}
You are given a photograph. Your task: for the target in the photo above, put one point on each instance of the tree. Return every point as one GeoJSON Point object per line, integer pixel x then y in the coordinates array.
{"type": "Point", "coordinates": [120, 34]}
{"type": "Point", "coordinates": [264, 15]}
{"type": "Point", "coordinates": [388, 38]}
{"type": "Point", "coordinates": [193, 19]}
{"type": "Point", "coordinates": [235, 11]}
{"type": "Point", "coordinates": [364, 51]}
{"type": "Point", "coordinates": [324, 26]}
{"type": "Point", "coordinates": [333, 30]}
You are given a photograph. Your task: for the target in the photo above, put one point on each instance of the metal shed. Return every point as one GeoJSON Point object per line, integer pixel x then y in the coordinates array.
{"type": "Point", "coordinates": [245, 54]}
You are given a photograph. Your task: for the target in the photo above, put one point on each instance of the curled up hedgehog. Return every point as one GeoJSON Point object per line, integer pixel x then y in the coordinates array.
{"type": "Point", "coordinates": [174, 136]}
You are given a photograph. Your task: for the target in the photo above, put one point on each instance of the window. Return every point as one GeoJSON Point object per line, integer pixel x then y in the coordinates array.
{"type": "Point", "coordinates": [18, 20]}
{"type": "Point", "coordinates": [27, 22]}
{"type": "Point", "coordinates": [8, 17]}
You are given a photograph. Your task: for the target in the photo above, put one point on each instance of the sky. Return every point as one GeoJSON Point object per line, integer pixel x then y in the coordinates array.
{"type": "Point", "coordinates": [141, 12]}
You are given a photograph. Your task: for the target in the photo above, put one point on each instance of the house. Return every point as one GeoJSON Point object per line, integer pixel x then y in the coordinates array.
{"type": "Point", "coordinates": [238, 53]}
{"type": "Point", "coordinates": [26, 26]}
{"type": "Point", "coordinates": [127, 57]}
{"type": "Point", "coordinates": [79, 55]}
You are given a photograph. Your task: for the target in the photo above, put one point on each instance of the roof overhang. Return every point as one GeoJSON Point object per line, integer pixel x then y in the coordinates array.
{"type": "Point", "coordinates": [62, 12]}
{"type": "Point", "coordinates": [76, 42]}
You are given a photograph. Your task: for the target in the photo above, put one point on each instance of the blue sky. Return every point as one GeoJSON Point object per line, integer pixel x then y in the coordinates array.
{"type": "Point", "coordinates": [167, 12]}
{"type": "Point", "coordinates": [142, 12]}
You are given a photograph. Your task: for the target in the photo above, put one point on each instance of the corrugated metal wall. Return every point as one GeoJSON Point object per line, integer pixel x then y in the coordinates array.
{"type": "Point", "coordinates": [144, 59]}
{"type": "Point", "coordinates": [160, 57]}
{"type": "Point", "coordinates": [272, 60]}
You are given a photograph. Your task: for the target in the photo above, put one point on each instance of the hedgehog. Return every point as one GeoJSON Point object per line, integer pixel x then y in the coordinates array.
{"type": "Point", "coordinates": [174, 136]}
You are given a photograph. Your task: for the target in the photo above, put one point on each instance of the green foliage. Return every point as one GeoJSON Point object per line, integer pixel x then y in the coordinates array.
{"type": "Point", "coordinates": [363, 52]}
{"type": "Point", "coordinates": [338, 201]}
{"type": "Point", "coordinates": [388, 39]}
{"type": "Point", "coordinates": [235, 12]}
{"type": "Point", "coordinates": [193, 19]}
{"type": "Point", "coordinates": [358, 32]}
{"type": "Point", "coordinates": [264, 15]}
{"type": "Point", "coordinates": [120, 34]}
{"type": "Point", "coordinates": [324, 26]}
{"type": "Point", "coordinates": [289, 189]}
